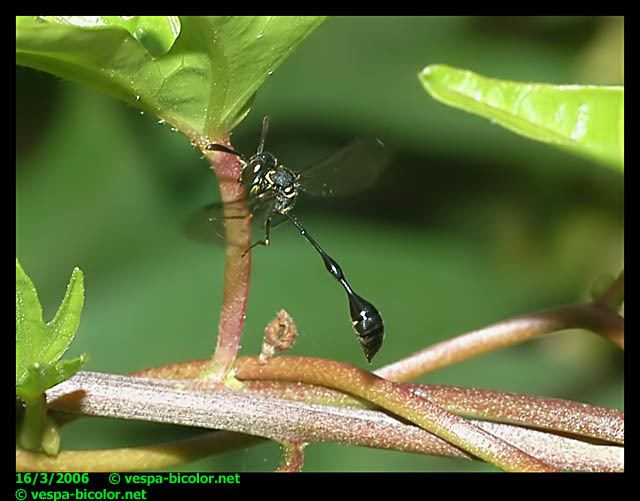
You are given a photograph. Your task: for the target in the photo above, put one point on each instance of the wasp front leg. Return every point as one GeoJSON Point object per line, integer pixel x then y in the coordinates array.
{"type": "Point", "coordinates": [240, 179]}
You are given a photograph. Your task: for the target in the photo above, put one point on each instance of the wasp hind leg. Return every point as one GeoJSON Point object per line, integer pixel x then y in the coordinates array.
{"type": "Point", "coordinates": [267, 237]}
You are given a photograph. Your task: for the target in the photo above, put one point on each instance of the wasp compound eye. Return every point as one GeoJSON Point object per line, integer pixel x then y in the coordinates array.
{"type": "Point", "coordinates": [267, 159]}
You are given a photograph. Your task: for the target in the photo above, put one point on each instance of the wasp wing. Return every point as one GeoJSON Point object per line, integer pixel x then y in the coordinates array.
{"type": "Point", "coordinates": [208, 225]}
{"type": "Point", "coordinates": [354, 168]}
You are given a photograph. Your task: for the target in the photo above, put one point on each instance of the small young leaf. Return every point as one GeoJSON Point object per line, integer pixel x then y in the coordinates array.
{"type": "Point", "coordinates": [64, 325]}
{"type": "Point", "coordinates": [197, 73]}
{"type": "Point", "coordinates": [30, 329]}
{"type": "Point", "coordinates": [585, 119]}
{"type": "Point", "coordinates": [42, 377]}
{"type": "Point", "coordinates": [39, 346]}
{"type": "Point", "coordinates": [37, 430]}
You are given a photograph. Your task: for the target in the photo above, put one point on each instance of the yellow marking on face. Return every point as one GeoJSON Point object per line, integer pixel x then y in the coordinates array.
{"type": "Point", "coordinates": [268, 177]}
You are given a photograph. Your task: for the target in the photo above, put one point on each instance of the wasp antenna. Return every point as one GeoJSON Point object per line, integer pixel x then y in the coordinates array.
{"type": "Point", "coordinates": [222, 148]}
{"type": "Point", "coordinates": [263, 136]}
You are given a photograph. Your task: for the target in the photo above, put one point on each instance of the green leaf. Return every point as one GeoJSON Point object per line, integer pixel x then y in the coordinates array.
{"type": "Point", "coordinates": [197, 73]}
{"type": "Point", "coordinates": [66, 321]}
{"type": "Point", "coordinates": [50, 442]}
{"type": "Point", "coordinates": [30, 329]}
{"type": "Point", "coordinates": [40, 346]}
{"type": "Point", "coordinates": [155, 33]}
{"type": "Point", "coordinates": [600, 285]}
{"type": "Point", "coordinates": [585, 119]}
{"type": "Point", "coordinates": [40, 377]}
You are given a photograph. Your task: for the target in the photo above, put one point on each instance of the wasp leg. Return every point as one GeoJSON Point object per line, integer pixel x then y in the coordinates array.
{"type": "Point", "coordinates": [267, 237]}
{"type": "Point", "coordinates": [216, 218]}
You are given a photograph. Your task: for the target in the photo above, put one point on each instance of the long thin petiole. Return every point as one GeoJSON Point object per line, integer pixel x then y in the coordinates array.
{"type": "Point", "coordinates": [332, 266]}
{"type": "Point", "coordinates": [365, 317]}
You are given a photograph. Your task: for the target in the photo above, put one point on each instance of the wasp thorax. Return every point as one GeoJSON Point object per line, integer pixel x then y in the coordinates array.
{"type": "Point", "coordinates": [283, 179]}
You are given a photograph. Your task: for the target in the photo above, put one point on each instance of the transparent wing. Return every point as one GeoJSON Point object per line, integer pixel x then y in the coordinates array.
{"type": "Point", "coordinates": [354, 168]}
{"type": "Point", "coordinates": [208, 224]}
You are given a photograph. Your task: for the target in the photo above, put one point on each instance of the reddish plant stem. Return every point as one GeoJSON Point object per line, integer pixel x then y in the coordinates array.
{"type": "Point", "coordinates": [551, 414]}
{"type": "Point", "coordinates": [292, 457]}
{"type": "Point", "coordinates": [500, 335]}
{"type": "Point", "coordinates": [237, 267]}
{"type": "Point", "coordinates": [504, 334]}
{"type": "Point", "coordinates": [210, 405]}
{"type": "Point", "coordinates": [202, 404]}
{"type": "Point", "coordinates": [545, 413]}
{"type": "Point", "coordinates": [394, 397]}
{"type": "Point", "coordinates": [402, 401]}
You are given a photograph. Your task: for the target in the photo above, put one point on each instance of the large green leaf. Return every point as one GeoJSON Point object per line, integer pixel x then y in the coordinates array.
{"type": "Point", "coordinates": [197, 73]}
{"type": "Point", "coordinates": [585, 119]}
{"type": "Point", "coordinates": [40, 346]}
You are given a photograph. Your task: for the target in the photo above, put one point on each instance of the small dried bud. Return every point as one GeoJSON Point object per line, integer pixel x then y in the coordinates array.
{"type": "Point", "coordinates": [279, 335]}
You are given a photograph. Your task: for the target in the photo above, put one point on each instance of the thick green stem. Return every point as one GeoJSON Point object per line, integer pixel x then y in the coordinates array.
{"type": "Point", "coordinates": [33, 422]}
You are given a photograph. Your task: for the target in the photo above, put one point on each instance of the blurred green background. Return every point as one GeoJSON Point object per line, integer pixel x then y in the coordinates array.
{"type": "Point", "coordinates": [470, 224]}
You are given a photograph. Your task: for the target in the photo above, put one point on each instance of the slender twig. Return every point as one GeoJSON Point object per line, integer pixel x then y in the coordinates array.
{"type": "Point", "coordinates": [504, 334]}
{"type": "Point", "coordinates": [148, 457]}
{"type": "Point", "coordinates": [212, 406]}
{"type": "Point", "coordinates": [613, 297]}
